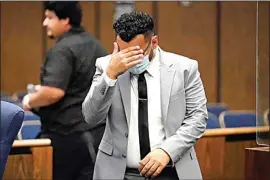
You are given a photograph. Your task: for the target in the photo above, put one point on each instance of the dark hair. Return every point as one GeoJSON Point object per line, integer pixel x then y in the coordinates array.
{"type": "Point", "coordinates": [129, 25]}
{"type": "Point", "coordinates": [66, 9]}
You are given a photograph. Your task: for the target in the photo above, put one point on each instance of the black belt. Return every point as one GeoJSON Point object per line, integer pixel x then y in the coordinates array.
{"type": "Point", "coordinates": [132, 171]}
{"type": "Point", "coordinates": [166, 171]}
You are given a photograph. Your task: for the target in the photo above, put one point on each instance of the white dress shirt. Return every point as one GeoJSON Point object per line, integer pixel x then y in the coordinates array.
{"type": "Point", "coordinates": [155, 124]}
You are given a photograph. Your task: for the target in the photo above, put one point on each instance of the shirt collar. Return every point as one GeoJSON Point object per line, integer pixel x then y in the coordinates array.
{"type": "Point", "coordinates": [153, 68]}
{"type": "Point", "coordinates": [72, 30]}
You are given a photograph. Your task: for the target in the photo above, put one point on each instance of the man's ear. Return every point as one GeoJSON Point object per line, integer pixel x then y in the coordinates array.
{"type": "Point", "coordinates": [65, 21]}
{"type": "Point", "coordinates": [155, 41]}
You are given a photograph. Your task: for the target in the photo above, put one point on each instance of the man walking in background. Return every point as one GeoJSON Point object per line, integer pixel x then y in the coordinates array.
{"type": "Point", "coordinates": [66, 77]}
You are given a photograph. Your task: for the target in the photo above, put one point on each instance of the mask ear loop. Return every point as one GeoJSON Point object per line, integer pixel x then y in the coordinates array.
{"type": "Point", "coordinates": [154, 54]}
{"type": "Point", "coordinates": [147, 48]}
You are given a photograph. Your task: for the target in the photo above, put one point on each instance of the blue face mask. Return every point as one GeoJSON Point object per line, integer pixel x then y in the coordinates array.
{"type": "Point", "coordinates": [141, 67]}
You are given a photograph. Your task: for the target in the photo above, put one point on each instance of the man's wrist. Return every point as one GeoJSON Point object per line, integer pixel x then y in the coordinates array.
{"type": "Point", "coordinates": [111, 74]}
{"type": "Point", "coordinates": [110, 82]}
{"type": "Point", "coordinates": [26, 101]}
{"type": "Point", "coordinates": [170, 163]}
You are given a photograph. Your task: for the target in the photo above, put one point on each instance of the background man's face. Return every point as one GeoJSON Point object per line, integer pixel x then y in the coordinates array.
{"type": "Point", "coordinates": [55, 26]}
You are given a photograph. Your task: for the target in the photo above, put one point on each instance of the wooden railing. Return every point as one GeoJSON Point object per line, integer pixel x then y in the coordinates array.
{"type": "Point", "coordinates": [221, 154]}
{"type": "Point", "coordinates": [30, 159]}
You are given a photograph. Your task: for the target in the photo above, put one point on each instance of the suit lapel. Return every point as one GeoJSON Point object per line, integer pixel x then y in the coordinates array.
{"type": "Point", "coordinates": [124, 84]}
{"type": "Point", "coordinates": [166, 81]}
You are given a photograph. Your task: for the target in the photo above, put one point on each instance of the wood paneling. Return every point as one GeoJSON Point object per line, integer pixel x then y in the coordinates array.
{"type": "Point", "coordinates": [88, 20]}
{"type": "Point", "coordinates": [210, 153]}
{"type": "Point", "coordinates": [16, 167]}
{"type": "Point", "coordinates": [257, 163]}
{"type": "Point", "coordinates": [145, 6]}
{"type": "Point", "coordinates": [106, 25]}
{"type": "Point", "coordinates": [190, 31]}
{"type": "Point", "coordinates": [263, 50]}
{"type": "Point", "coordinates": [221, 153]}
{"type": "Point", "coordinates": [21, 44]}
{"type": "Point", "coordinates": [234, 164]}
{"type": "Point", "coordinates": [238, 82]}
{"type": "Point", "coordinates": [36, 165]}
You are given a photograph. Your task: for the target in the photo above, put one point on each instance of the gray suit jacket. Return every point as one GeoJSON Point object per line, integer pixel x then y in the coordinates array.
{"type": "Point", "coordinates": [184, 115]}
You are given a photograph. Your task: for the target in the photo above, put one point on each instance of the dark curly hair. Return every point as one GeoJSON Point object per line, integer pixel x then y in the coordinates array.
{"type": "Point", "coordinates": [66, 9]}
{"type": "Point", "coordinates": [129, 25]}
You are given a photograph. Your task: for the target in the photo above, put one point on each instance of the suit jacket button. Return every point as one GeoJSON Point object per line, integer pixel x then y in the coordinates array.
{"type": "Point", "coordinates": [124, 156]}
{"type": "Point", "coordinates": [126, 134]}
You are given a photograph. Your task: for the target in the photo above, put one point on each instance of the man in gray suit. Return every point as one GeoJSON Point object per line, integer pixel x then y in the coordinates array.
{"type": "Point", "coordinates": [154, 105]}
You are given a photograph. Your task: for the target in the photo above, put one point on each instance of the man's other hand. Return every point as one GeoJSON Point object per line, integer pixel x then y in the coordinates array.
{"type": "Point", "coordinates": [25, 102]}
{"type": "Point", "coordinates": [154, 163]}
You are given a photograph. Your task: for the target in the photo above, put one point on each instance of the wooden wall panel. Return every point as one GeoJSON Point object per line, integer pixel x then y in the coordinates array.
{"type": "Point", "coordinates": [106, 24]}
{"type": "Point", "coordinates": [211, 155]}
{"type": "Point", "coordinates": [263, 49]}
{"type": "Point", "coordinates": [88, 20]}
{"type": "Point", "coordinates": [191, 31]}
{"type": "Point", "coordinates": [257, 163]}
{"type": "Point", "coordinates": [35, 165]}
{"type": "Point", "coordinates": [21, 44]}
{"type": "Point", "coordinates": [238, 85]}
{"type": "Point", "coordinates": [234, 164]}
{"type": "Point", "coordinates": [145, 7]}
{"type": "Point", "coordinates": [221, 152]}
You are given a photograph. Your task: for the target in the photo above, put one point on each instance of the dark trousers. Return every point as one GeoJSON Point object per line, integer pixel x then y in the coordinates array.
{"type": "Point", "coordinates": [71, 155]}
{"type": "Point", "coordinates": [168, 173]}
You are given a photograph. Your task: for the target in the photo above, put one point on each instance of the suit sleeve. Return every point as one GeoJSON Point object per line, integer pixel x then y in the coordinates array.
{"type": "Point", "coordinates": [194, 123]}
{"type": "Point", "coordinates": [99, 98]}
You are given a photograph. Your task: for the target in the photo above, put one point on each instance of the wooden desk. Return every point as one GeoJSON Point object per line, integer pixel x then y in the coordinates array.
{"type": "Point", "coordinates": [257, 163]}
{"type": "Point", "coordinates": [221, 152]}
{"type": "Point", "coordinates": [29, 159]}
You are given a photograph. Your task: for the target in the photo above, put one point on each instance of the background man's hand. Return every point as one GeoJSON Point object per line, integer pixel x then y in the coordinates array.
{"type": "Point", "coordinates": [37, 87]}
{"type": "Point", "coordinates": [122, 60]}
{"type": "Point", "coordinates": [25, 102]}
{"type": "Point", "coordinates": [154, 163]}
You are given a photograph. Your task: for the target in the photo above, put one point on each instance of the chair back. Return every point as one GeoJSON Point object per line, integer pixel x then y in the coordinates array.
{"type": "Point", "coordinates": [11, 121]}
{"type": "Point", "coordinates": [212, 122]}
{"type": "Point", "coordinates": [233, 119]}
{"type": "Point", "coordinates": [217, 108]}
